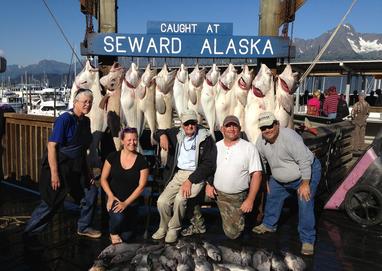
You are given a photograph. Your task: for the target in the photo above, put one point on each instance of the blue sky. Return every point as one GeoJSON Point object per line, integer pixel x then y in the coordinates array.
{"type": "Point", "coordinates": [28, 34]}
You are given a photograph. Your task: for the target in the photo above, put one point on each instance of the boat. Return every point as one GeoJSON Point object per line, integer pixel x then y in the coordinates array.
{"type": "Point", "coordinates": [10, 98]}
{"type": "Point", "coordinates": [49, 108]}
{"type": "Point", "coordinates": [48, 102]}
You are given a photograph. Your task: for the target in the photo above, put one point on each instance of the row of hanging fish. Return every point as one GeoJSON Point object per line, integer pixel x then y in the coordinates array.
{"type": "Point", "coordinates": [150, 98]}
{"type": "Point", "coordinates": [193, 255]}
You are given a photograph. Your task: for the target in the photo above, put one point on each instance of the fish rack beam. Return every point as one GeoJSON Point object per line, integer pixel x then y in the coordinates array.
{"type": "Point", "coordinates": [24, 143]}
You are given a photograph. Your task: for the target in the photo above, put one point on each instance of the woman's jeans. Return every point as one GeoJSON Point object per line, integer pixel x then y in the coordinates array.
{"type": "Point", "coordinates": [122, 223]}
{"type": "Point", "coordinates": [280, 191]}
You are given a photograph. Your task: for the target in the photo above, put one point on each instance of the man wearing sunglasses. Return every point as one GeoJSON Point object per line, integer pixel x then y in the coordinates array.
{"type": "Point", "coordinates": [237, 178]}
{"type": "Point", "coordinates": [191, 161]}
{"type": "Point", "coordinates": [293, 168]}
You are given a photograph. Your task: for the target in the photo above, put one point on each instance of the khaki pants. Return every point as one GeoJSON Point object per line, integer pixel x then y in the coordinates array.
{"type": "Point", "coordinates": [359, 137]}
{"type": "Point", "coordinates": [171, 199]}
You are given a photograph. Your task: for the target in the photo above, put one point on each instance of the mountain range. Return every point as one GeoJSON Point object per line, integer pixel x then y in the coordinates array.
{"type": "Point", "coordinates": [346, 45]}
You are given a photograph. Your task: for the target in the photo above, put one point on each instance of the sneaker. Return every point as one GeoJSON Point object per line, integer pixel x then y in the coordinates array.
{"type": "Point", "coordinates": [307, 249]}
{"type": "Point", "coordinates": [159, 234]}
{"type": "Point", "coordinates": [171, 236]}
{"type": "Point", "coordinates": [192, 229]}
{"type": "Point", "coordinates": [90, 232]}
{"type": "Point", "coordinates": [261, 229]}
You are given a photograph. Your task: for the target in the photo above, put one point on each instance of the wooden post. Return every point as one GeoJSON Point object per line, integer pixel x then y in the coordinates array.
{"type": "Point", "coordinates": [107, 23]}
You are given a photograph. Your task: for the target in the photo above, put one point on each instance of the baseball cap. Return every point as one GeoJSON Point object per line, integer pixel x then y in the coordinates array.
{"type": "Point", "coordinates": [188, 115]}
{"type": "Point", "coordinates": [266, 119]}
{"type": "Point", "coordinates": [231, 119]}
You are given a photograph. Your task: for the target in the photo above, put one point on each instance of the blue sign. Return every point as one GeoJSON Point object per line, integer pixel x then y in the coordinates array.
{"type": "Point", "coordinates": [185, 45]}
{"type": "Point", "coordinates": [177, 28]}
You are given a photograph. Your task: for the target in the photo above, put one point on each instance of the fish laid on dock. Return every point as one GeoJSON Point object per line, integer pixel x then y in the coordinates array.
{"type": "Point", "coordinates": [186, 255]}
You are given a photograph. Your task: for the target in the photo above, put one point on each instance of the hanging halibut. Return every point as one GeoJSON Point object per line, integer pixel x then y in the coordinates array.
{"type": "Point", "coordinates": [128, 101]}
{"type": "Point", "coordinates": [285, 87]}
{"type": "Point", "coordinates": [195, 85]}
{"type": "Point", "coordinates": [145, 95]}
{"type": "Point", "coordinates": [181, 90]}
{"type": "Point", "coordinates": [207, 99]}
{"type": "Point", "coordinates": [241, 87]}
{"type": "Point", "coordinates": [89, 78]}
{"type": "Point", "coordinates": [224, 97]}
{"type": "Point", "coordinates": [163, 102]}
{"type": "Point", "coordinates": [112, 100]}
{"type": "Point", "coordinates": [261, 98]}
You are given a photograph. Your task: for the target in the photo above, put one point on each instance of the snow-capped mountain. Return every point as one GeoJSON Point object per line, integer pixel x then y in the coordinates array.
{"type": "Point", "coordinates": [346, 45]}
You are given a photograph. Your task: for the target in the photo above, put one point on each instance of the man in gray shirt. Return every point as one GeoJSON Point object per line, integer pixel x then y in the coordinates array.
{"type": "Point", "coordinates": [293, 167]}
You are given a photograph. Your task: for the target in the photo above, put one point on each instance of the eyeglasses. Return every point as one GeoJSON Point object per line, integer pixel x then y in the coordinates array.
{"type": "Point", "coordinates": [191, 122]}
{"type": "Point", "coordinates": [263, 128]}
{"type": "Point", "coordinates": [85, 102]}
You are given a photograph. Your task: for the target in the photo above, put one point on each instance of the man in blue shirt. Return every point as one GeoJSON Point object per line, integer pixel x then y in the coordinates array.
{"type": "Point", "coordinates": [65, 169]}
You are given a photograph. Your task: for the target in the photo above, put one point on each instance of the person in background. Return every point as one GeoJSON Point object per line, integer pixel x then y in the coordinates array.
{"type": "Point", "coordinates": [314, 104]}
{"type": "Point", "coordinates": [379, 97]}
{"type": "Point", "coordinates": [124, 177]}
{"type": "Point", "coordinates": [371, 99]}
{"type": "Point", "coordinates": [359, 116]}
{"type": "Point", "coordinates": [65, 169]}
{"type": "Point", "coordinates": [354, 97]}
{"type": "Point", "coordinates": [191, 161]}
{"type": "Point", "coordinates": [293, 168]}
{"type": "Point", "coordinates": [237, 178]}
{"type": "Point", "coordinates": [322, 100]}
{"type": "Point", "coordinates": [331, 103]}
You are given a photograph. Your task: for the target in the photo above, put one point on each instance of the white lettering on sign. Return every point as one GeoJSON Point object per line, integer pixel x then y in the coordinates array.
{"type": "Point", "coordinates": [268, 46]}
{"type": "Point", "coordinates": [151, 45]}
{"type": "Point", "coordinates": [178, 28]}
{"type": "Point", "coordinates": [135, 45]}
{"type": "Point", "coordinates": [206, 45]}
{"type": "Point", "coordinates": [173, 45]}
{"type": "Point", "coordinates": [118, 44]}
{"type": "Point", "coordinates": [241, 48]}
{"type": "Point", "coordinates": [108, 41]}
{"type": "Point", "coordinates": [176, 43]}
{"type": "Point", "coordinates": [213, 29]}
{"type": "Point", "coordinates": [254, 46]}
{"type": "Point", "coordinates": [243, 43]}
{"type": "Point", "coordinates": [231, 46]}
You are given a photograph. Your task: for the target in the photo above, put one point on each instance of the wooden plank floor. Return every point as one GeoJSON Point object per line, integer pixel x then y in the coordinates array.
{"type": "Point", "coordinates": [341, 245]}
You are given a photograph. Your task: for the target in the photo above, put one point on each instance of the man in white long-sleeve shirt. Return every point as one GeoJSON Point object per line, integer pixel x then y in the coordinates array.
{"type": "Point", "coordinates": [293, 168]}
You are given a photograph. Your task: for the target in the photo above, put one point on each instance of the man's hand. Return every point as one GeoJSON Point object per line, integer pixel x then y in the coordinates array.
{"type": "Point", "coordinates": [163, 142]}
{"type": "Point", "coordinates": [186, 188]}
{"type": "Point", "coordinates": [246, 206]}
{"type": "Point", "coordinates": [55, 182]}
{"type": "Point", "coordinates": [211, 191]}
{"type": "Point", "coordinates": [304, 190]}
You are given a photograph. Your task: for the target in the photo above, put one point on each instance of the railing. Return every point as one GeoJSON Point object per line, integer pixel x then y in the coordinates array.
{"type": "Point", "coordinates": [24, 144]}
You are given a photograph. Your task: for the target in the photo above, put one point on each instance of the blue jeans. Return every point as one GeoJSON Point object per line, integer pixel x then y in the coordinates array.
{"type": "Point", "coordinates": [275, 201]}
{"type": "Point", "coordinates": [122, 223]}
{"type": "Point", "coordinates": [44, 213]}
